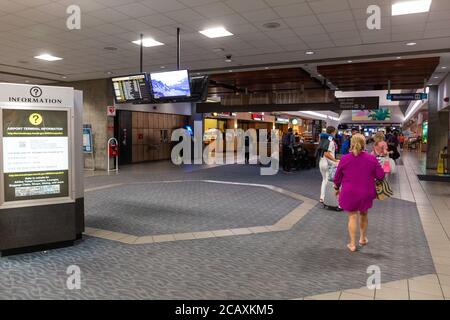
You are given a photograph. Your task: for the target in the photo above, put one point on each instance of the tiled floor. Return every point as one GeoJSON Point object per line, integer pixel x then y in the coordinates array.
{"type": "Point", "coordinates": [302, 255]}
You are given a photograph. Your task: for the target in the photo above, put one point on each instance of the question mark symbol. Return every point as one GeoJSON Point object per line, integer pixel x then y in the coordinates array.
{"type": "Point", "coordinates": [36, 92]}
{"type": "Point", "coordinates": [36, 118]}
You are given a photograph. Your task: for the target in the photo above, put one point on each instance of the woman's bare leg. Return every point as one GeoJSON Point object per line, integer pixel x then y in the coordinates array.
{"type": "Point", "coordinates": [363, 227]}
{"type": "Point", "coordinates": [352, 226]}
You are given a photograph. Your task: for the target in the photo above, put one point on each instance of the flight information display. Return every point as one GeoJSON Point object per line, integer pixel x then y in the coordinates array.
{"type": "Point", "coordinates": [132, 88]}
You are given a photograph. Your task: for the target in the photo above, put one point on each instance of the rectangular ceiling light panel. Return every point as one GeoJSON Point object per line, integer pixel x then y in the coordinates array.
{"type": "Point", "coordinates": [410, 7]}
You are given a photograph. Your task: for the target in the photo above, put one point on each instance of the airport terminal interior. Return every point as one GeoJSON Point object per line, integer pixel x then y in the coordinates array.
{"type": "Point", "coordinates": [173, 149]}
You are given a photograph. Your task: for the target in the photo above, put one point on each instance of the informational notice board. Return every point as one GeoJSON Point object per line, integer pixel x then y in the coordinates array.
{"type": "Point", "coordinates": [35, 154]}
{"type": "Point", "coordinates": [87, 140]}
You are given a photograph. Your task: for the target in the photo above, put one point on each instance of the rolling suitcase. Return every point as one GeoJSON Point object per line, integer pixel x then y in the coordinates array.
{"type": "Point", "coordinates": [330, 200]}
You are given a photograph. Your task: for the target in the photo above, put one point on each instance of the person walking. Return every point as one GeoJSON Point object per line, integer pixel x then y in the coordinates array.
{"type": "Point", "coordinates": [380, 147]}
{"type": "Point", "coordinates": [326, 152]}
{"type": "Point", "coordinates": [288, 150]}
{"type": "Point", "coordinates": [354, 183]}
{"type": "Point", "coordinates": [345, 148]}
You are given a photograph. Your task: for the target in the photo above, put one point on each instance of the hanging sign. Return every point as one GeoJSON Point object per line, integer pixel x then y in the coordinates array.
{"type": "Point", "coordinates": [282, 120]}
{"type": "Point", "coordinates": [257, 116]}
{"type": "Point", "coordinates": [359, 103]}
{"type": "Point", "coordinates": [407, 96]}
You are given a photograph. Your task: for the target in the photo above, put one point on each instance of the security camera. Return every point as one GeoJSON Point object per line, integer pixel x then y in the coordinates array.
{"type": "Point", "coordinates": [228, 58]}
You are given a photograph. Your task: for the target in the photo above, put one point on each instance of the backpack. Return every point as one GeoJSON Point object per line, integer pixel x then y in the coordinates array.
{"type": "Point", "coordinates": [286, 141]}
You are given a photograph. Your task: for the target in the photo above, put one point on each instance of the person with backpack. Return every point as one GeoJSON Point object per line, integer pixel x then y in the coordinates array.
{"type": "Point", "coordinates": [393, 143]}
{"type": "Point", "coordinates": [345, 148]}
{"type": "Point", "coordinates": [326, 152]}
{"type": "Point", "coordinates": [288, 150]}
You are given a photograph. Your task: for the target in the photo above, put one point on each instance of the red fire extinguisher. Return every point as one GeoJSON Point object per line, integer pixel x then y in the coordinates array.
{"type": "Point", "coordinates": [113, 149]}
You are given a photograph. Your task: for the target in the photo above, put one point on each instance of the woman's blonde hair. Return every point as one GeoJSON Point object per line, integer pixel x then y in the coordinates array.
{"type": "Point", "coordinates": [357, 144]}
{"type": "Point", "coordinates": [379, 136]}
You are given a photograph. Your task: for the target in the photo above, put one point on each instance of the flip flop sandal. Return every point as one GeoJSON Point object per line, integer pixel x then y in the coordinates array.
{"type": "Point", "coordinates": [362, 244]}
{"type": "Point", "coordinates": [351, 248]}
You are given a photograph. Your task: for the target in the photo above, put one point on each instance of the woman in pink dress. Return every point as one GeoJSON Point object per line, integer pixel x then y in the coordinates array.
{"type": "Point", "coordinates": [354, 183]}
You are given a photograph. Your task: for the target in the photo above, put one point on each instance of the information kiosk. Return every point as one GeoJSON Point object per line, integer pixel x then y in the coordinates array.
{"type": "Point", "coordinates": [41, 180]}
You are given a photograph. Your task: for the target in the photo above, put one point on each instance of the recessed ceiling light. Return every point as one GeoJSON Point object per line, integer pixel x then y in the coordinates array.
{"type": "Point", "coordinates": [218, 49]}
{"type": "Point", "coordinates": [110, 48]}
{"type": "Point", "coordinates": [411, 43]}
{"type": "Point", "coordinates": [410, 7]}
{"type": "Point", "coordinates": [309, 52]}
{"type": "Point", "coordinates": [349, 61]}
{"type": "Point", "coordinates": [267, 68]}
{"type": "Point", "coordinates": [399, 58]}
{"type": "Point", "coordinates": [64, 77]}
{"type": "Point", "coordinates": [27, 81]}
{"type": "Point", "coordinates": [148, 42]}
{"type": "Point", "coordinates": [271, 25]}
{"type": "Point", "coordinates": [444, 67]}
{"type": "Point", "coordinates": [48, 57]}
{"type": "Point", "coordinates": [216, 32]}
{"type": "Point", "coordinates": [163, 67]}
{"type": "Point", "coordinates": [436, 77]}
{"type": "Point", "coordinates": [109, 72]}
{"type": "Point", "coordinates": [230, 70]}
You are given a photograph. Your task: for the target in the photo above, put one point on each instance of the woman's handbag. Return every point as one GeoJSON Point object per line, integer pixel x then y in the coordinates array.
{"type": "Point", "coordinates": [384, 190]}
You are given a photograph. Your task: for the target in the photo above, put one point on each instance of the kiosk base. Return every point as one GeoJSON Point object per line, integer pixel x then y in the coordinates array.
{"type": "Point", "coordinates": [32, 227]}
{"type": "Point", "coordinates": [45, 247]}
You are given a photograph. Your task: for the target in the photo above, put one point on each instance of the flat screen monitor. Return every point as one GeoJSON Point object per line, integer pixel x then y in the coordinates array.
{"type": "Point", "coordinates": [173, 84]}
{"type": "Point", "coordinates": [133, 88]}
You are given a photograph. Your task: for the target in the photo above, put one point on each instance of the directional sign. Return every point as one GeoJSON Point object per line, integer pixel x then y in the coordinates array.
{"type": "Point", "coordinates": [407, 96]}
{"type": "Point", "coordinates": [359, 103]}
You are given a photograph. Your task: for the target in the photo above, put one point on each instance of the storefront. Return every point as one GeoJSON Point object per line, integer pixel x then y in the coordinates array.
{"type": "Point", "coordinates": [217, 121]}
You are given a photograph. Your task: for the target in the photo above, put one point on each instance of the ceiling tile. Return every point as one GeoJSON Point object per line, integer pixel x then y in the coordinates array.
{"type": "Point", "coordinates": [157, 20]}
{"type": "Point", "coordinates": [335, 17]}
{"type": "Point", "coordinates": [348, 42]}
{"type": "Point", "coordinates": [309, 31]}
{"type": "Point", "coordinates": [304, 21]}
{"type": "Point", "coordinates": [85, 5]}
{"type": "Point", "coordinates": [260, 15]}
{"type": "Point", "coordinates": [212, 10]}
{"type": "Point", "coordinates": [340, 26]}
{"type": "Point", "coordinates": [184, 15]}
{"type": "Point", "coordinates": [108, 15]}
{"type": "Point", "coordinates": [344, 35]}
{"type": "Point", "coordinates": [247, 5]}
{"type": "Point", "coordinates": [135, 10]}
{"type": "Point", "coordinates": [320, 44]}
{"type": "Point", "coordinates": [295, 10]}
{"type": "Point", "coordinates": [326, 6]}
{"type": "Point", "coordinates": [164, 5]}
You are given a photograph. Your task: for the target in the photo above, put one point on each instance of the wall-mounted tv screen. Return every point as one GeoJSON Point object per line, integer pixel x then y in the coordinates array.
{"type": "Point", "coordinates": [173, 84]}
{"type": "Point", "coordinates": [133, 88]}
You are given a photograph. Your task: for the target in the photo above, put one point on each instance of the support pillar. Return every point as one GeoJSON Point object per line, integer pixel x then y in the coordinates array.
{"type": "Point", "coordinates": [438, 129]}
